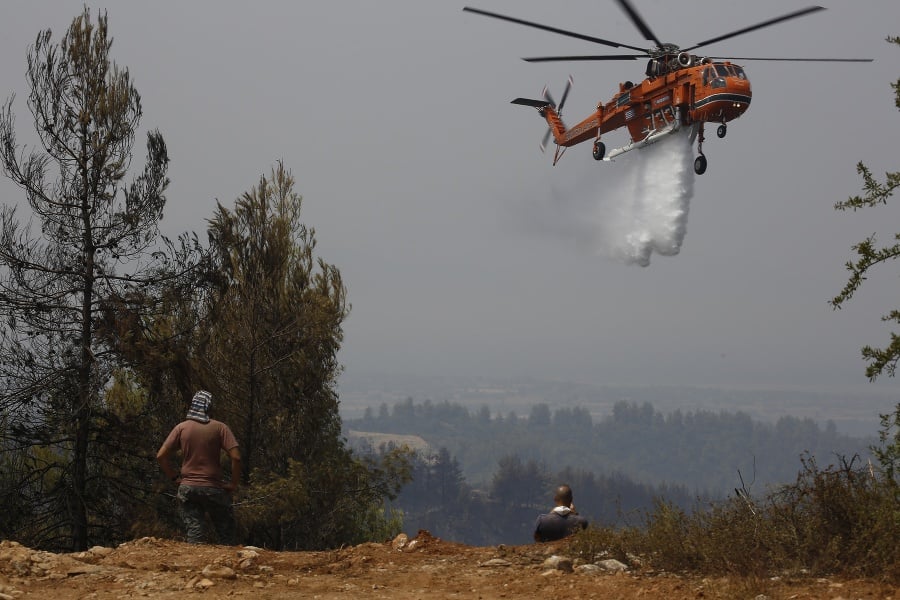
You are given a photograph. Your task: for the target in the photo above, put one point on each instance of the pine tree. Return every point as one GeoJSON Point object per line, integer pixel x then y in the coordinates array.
{"type": "Point", "coordinates": [93, 248]}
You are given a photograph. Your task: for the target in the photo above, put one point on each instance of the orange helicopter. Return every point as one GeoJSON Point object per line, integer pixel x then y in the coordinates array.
{"type": "Point", "coordinates": [681, 89]}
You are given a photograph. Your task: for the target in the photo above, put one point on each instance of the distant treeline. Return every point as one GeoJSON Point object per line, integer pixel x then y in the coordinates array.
{"type": "Point", "coordinates": [504, 510]}
{"type": "Point", "coordinates": [486, 477]}
{"type": "Point", "coordinates": [704, 451]}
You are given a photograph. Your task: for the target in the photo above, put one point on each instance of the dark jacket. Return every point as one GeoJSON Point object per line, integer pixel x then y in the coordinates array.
{"type": "Point", "coordinates": [555, 526]}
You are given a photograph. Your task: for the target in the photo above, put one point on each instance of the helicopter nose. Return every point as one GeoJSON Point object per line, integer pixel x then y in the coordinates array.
{"type": "Point", "coordinates": [739, 92]}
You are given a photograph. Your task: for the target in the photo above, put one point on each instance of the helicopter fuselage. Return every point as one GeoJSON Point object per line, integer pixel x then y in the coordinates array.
{"type": "Point", "coordinates": [716, 92]}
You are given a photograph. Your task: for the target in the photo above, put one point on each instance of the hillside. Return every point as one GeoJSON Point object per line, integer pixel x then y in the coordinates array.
{"type": "Point", "coordinates": [424, 567]}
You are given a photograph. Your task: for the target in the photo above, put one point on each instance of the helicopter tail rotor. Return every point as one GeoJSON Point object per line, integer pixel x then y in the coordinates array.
{"type": "Point", "coordinates": [545, 139]}
{"type": "Point", "coordinates": [549, 110]}
{"type": "Point", "coordinates": [556, 107]}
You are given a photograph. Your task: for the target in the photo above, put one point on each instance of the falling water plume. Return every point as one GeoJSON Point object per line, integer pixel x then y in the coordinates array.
{"type": "Point", "coordinates": [631, 208]}
{"type": "Point", "coordinates": [646, 208]}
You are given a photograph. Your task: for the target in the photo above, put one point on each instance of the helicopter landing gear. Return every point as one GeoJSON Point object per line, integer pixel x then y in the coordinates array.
{"type": "Point", "coordinates": [700, 161]}
{"type": "Point", "coordinates": [700, 165]}
{"type": "Point", "coordinates": [722, 130]}
{"type": "Point", "coordinates": [599, 150]}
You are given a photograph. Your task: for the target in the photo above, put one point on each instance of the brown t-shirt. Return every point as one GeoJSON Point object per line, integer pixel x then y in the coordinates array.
{"type": "Point", "coordinates": [201, 445]}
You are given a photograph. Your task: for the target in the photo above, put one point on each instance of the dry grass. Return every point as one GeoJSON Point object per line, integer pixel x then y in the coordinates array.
{"type": "Point", "coordinates": [842, 520]}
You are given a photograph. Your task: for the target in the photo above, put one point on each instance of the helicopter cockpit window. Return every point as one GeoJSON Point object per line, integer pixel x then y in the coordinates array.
{"type": "Point", "coordinates": [708, 75]}
{"type": "Point", "coordinates": [739, 72]}
{"type": "Point", "coordinates": [722, 70]}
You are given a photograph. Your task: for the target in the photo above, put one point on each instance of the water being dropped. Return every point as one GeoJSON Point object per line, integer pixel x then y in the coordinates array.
{"type": "Point", "coordinates": [645, 209]}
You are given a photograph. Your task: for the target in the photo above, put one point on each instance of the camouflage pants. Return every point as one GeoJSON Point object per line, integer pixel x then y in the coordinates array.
{"type": "Point", "coordinates": [196, 502]}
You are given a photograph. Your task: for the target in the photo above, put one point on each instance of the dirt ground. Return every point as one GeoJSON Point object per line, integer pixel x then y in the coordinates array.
{"type": "Point", "coordinates": [421, 567]}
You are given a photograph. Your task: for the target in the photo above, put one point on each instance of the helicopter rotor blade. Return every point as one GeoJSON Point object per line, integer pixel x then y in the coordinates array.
{"type": "Point", "coordinates": [579, 36]}
{"type": "Point", "coordinates": [792, 15]}
{"type": "Point", "coordinates": [639, 22]}
{"type": "Point", "coordinates": [537, 59]}
{"type": "Point", "coordinates": [565, 95]}
{"type": "Point", "coordinates": [548, 97]}
{"type": "Point", "coordinates": [792, 59]}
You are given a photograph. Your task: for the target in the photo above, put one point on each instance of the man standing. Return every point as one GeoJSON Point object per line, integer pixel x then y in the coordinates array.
{"type": "Point", "coordinates": [561, 521]}
{"type": "Point", "coordinates": [201, 489]}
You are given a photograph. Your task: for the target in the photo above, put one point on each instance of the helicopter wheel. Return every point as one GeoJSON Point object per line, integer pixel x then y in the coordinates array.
{"type": "Point", "coordinates": [722, 130]}
{"type": "Point", "coordinates": [700, 165]}
{"type": "Point", "coordinates": [599, 150]}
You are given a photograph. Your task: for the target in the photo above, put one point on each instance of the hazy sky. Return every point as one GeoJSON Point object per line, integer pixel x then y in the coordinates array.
{"type": "Point", "coordinates": [462, 247]}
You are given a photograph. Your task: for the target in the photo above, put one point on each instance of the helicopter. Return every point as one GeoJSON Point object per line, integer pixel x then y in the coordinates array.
{"type": "Point", "coordinates": [680, 89]}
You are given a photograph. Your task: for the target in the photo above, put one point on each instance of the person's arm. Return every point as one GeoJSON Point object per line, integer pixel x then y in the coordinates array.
{"type": "Point", "coordinates": [235, 455]}
{"type": "Point", "coordinates": [163, 457]}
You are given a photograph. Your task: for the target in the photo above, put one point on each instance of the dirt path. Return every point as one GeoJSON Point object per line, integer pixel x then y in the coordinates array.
{"type": "Point", "coordinates": [424, 567]}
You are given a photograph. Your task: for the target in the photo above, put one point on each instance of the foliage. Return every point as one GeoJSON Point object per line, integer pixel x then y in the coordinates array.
{"type": "Point", "coordinates": [362, 512]}
{"type": "Point", "coordinates": [109, 328]}
{"type": "Point", "coordinates": [842, 519]}
{"type": "Point", "coordinates": [870, 254]}
{"type": "Point", "coordinates": [896, 85]}
{"type": "Point", "coordinates": [274, 327]}
{"type": "Point", "coordinates": [277, 498]}
{"type": "Point", "coordinates": [268, 329]}
{"type": "Point", "coordinates": [97, 246]}
{"type": "Point", "coordinates": [261, 330]}
{"type": "Point", "coordinates": [518, 482]}
{"type": "Point", "coordinates": [888, 452]}
{"type": "Point", "coordinates": [436, 484]}
{"type": "Point", "coordinates": [276, 511]}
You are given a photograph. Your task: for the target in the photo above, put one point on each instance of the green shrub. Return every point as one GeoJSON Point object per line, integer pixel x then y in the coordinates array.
{"type": "Point", "coordinates": [843, 519]}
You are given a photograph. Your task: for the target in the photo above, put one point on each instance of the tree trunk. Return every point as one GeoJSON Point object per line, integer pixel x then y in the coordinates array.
{"type": "Point", "coordinates": [83, 410]}
{"type": "Point", "coordinates": [250, 442]}
{"type": "Point", "coordinates": [79, 479]}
